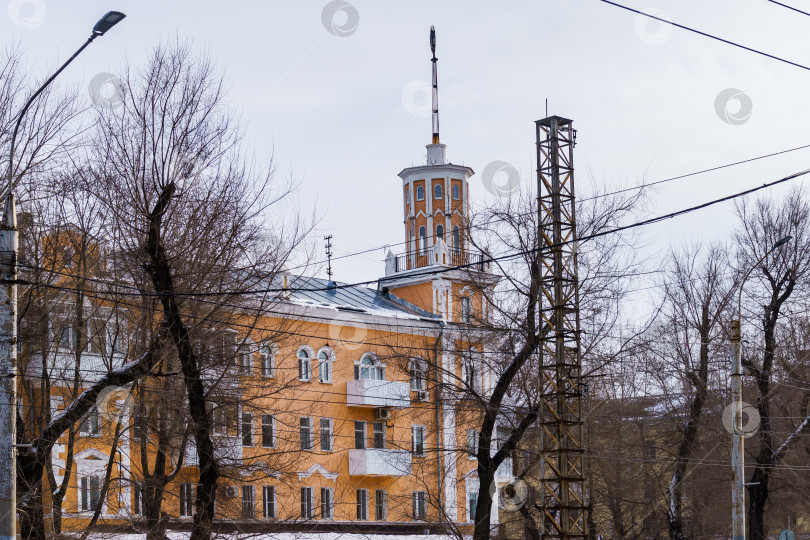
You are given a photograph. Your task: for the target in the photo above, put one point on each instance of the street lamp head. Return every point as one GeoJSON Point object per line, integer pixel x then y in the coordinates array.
{"type": "Point", "coordinates": [107, 21]}
{"type": "Point", "coordinates": [782, 242]}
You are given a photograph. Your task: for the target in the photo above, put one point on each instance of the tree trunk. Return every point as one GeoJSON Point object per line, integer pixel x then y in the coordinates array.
{"type": "Point", "coordinates": [200, 424]}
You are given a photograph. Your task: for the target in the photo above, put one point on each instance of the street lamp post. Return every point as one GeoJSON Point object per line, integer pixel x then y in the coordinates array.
{"type": "Point", "coordinates": [8, 312]}
{"type": "Point", "coordinates": [737, 441]}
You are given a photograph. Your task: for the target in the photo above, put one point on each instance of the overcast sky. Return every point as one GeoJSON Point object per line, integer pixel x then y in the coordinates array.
{"type": "Point", "coordinates": [340, 101]}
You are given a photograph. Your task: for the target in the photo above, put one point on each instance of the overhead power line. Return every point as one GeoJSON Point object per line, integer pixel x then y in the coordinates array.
{"type": "Point", "coordinates": [711, 36]}
{"type": "Point", "coordinates": [789, 7]}
{"type": "Point", "coordinates": [438, 271]}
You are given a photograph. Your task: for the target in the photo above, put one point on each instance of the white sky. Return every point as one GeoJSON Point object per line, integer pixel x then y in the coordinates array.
{"type": "Point", "coordinates": [335, 111]}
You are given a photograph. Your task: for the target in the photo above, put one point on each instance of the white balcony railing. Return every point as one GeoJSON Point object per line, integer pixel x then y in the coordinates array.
{"type": "Point", "coordinates": [371, 393]}
{"type": "Point", "coordinates": [379, 462]}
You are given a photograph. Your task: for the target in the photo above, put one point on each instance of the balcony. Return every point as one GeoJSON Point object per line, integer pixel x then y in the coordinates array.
{"type": "Point", "coordinates": [373, 393]}
{"type": "Point", "coordinates": [379, 462]}
{"type": "Point", "coordinates": [440, 255]}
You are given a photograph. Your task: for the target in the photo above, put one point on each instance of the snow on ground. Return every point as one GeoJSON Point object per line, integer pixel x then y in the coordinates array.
{"type": "Point", "coordinates": [278, 536]}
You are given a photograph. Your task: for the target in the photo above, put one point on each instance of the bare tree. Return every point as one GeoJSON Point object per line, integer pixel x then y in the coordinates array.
{"type": "Point", "coordinates": [780, 280]}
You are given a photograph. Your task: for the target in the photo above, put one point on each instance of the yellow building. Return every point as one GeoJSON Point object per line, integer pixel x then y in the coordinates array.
{"type": "Point", "coordinates": [341, 408]}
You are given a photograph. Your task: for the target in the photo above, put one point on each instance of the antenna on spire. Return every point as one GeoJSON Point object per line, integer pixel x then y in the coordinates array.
{"type": "Point", "coordinates": [435, 87]}
{"type": "Point", "coordinates": [328, 256]}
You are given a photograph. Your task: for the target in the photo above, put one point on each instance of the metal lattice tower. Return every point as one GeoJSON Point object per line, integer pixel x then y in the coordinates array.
{"type": "Point", "coordinates": [562, 499]}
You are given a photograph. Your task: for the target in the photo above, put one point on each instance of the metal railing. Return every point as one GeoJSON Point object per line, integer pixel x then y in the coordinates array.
{"type": "Point", "coordinates": [423, 258]}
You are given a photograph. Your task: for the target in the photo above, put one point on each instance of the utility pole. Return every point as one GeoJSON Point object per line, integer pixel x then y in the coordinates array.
{"type": "Point", "coordinates": [8, 311]}
{"type": "Point", "coordinates": [8, 370]}
{"type": "Point", "coordinates": [563, 497]}
{"type": "Point", "coordinates": [737, 443]}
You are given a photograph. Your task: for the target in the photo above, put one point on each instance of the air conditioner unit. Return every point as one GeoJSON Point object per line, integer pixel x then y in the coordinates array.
{"type": "Point", "coordinates": [383, 414]}
{"type": "Point", "coordinates": [422, 395]}
{"type": "Point", "coordinates": [231, 491]}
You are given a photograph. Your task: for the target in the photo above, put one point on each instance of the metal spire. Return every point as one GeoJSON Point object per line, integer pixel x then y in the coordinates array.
{"type": "Point", "coordinates": [435, 87]}
{"type": "Point", "coordinates": [328, 256]}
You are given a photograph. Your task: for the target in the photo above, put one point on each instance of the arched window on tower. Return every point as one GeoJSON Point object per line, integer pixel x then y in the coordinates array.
{"type": "Point", "coordinates": [456, 193]}
{"type": "Point", "coordinates": [456, 240]}
{"type": "Point", "coordinates": [420, 193]}
{"type": "Point", "coordinates": [439, 232]}
{"type": "Point", "coordinates": [437, 191]}
{"type": "Point", "coordinates": [422, 239]}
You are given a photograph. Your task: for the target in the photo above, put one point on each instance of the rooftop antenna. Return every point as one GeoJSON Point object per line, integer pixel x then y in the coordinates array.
{"type": "Point", "coordinates": [435, 86]}
{"type": "Point", "coordinates": [328, 256]}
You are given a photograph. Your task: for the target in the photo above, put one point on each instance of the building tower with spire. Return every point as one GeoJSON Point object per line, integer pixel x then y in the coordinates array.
{"type": "Point", "coordinates": [435, 210]}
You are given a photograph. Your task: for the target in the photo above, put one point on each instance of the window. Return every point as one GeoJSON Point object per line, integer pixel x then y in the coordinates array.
{"type": "Point", "coordinates": [380, 505]}
{"type": "Point", "coordinates": [379, 434]}
{"type": "Point", "coordinates": [469, 376]}
{"type": "Point", "coordinates": [420, 193]}
{"type": "Point", "coordinates": [247, 429]}
{"type": "Point", "coordinates": [306, 433]}
{"type": "Point", "coordinates": [219, 420]}
{"type": "Point", "coordinates": [326, 434]}
{"type": "Point", "coordinates": [456, 193]}
{"type": "Point", "coordinates": [304, 365]}
{"type": "Point", "coordinates": [269, 501]}
{"type": "Point", "coordinates": [417, 376]}
{"type": "Point", "coordinates": [186, 500]}
{"type": "Point", "coordinates": [502, 434]}
{"type": "Point", "coordinates": [64, 333]}
{"type": "Point", "coordinates": [359, 434]}
{"type": "Point", "coordinates": [472, 442]}
{"type": "Point", "coordinates": [371, 369]}
{"type": "Point", "coordinates": [248, 503]}
{"type": "Point", "coordinates": [139, 428]}
{"type": "Point", "coordinates": [422, 240]}
{"type": "Point", "coordinates": [245, 360]}
{"type": "Point", "coordinates": [97, 336]}
{"type": "Point", "coordinates": [91, 425]}
{"type": "Point", "coordinates": [324, 367]}
{"type": "Point", "coordinates": [456, 240]}
{"type": "Point", "coordinates": [137, 499]}
{"type": "Point", "coordinates": [327, 503]}
{"type": "Point", "coordinates": [90, 487]}
{"type": "Point", "coordinates": [419, 505]}
{"type": "Point", "coordinates": [440, 232]}
{"type": "Point", "coordinates": [268, 431]}
{"type": "Point", "coordinates": [472, 501]}
{"type": "Point", "coordinates": [437, 191]}
{"type": "Point", "coordinates": [362, 504]}
{"type": "Point", "coordinates": [268, 360]}
{"type": "Point", "coordinates": [418, 440]}
{"type": "Point", "coordinates": [466, 309]}
{"type": "Point", "coordinates": [307, 502]}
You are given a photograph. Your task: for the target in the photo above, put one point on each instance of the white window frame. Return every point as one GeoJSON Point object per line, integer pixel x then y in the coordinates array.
{"type": "Point", "coordinates": [305, 364]}
{"type": "Point", "coordinates": [456, 191]}
{"type": "Point", "coordinates": [329, 434]}
{"type": "Point", "coordinates": [472, 443]}
{"type": "Point", "coordinates": [245, 354]}
{"type": "Point", "coordinates": [272, 425]}
{"type": "Point", "coordinates": [374, 432]}
{"type": "Point", "coordinates": [249, 502]}
{"type": "Point", "coordinates": [91, 418]}
{"type": "Point", "coordinates": [418, 428]}
{"type": "Point", "coordinates": [370, 365]}
{"type": "Point", "coordinates": [267, 355]}
{"type": "Point", "coordinates": [310, 429]}
{"type": "Point", "coordinates": [380, 516]}
{"type": "Point", "coordinates": [85, 492]}
{"type": "Point", "coordinates": [327, 510]}
{"type": "Point", "coordinates": [325, 358]}
{"type": "Point", "coordinates": [465, 309]}
{"type": "Point", "coordinates": [418, 188]}
{"type": "Point", "coordinates": [470, 513]}
{"type": "Point", "coordinates": [269, 503]}
{"type": "Point", "coordinates": [440, 231]}
{"type": "Point", "coordinates": [420, 506]}
{"type": "Point", "coordinates": [438, 188]}
{"type": "Point", "coordinates": [417, 375]}
{"type": "Point", "coordinates": [357, 423]}
{"type": "Point", "coordinates": [362, 507]}
{"type": "Point", "coordinates": [246, 430]}
{"type": "Point", "coordinates": [307, 512]}
{"type": "Point", "coordinates": [422, 239]}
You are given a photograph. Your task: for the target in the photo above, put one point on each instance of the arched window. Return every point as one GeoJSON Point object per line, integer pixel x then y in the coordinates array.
{"type": "Point", "coordinates": [437, 191]}
{"type": "Point", "coordinates": [304, 365]}
{"type": "Point", "coordinates": [422, 239]}
{"type": "Point", "coordinates": [440, 232]}
{"type": "Point", "coordinates": [268, 360]}
{"type": "Point", "coordinates": [417, 372]}
{"type": "Point", "coordinates": [324, 367]}
{"type": "Point", "coordinates": [456, 240]}
{"type": "Point", "coordinates": [456, 193]}
{"type": "Point", "coordinates": [420, 193]}
{"type": "Point", "coordinates": [370, 369]}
